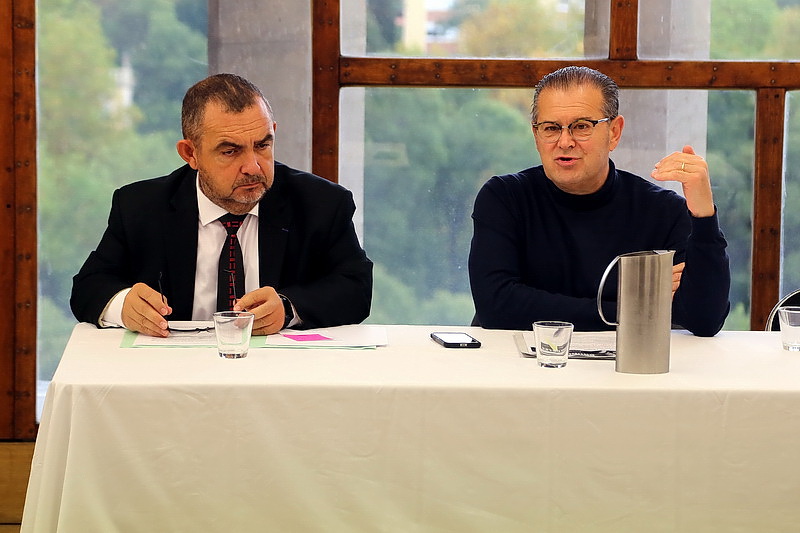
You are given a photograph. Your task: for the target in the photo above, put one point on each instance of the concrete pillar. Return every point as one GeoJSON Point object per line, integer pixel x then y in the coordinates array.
{"type": "Point", "coordinates": [269, 43]}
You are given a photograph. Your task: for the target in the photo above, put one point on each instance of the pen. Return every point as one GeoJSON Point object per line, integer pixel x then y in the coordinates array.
{"type": "Point", "coordinates": [232, 279]}
{"type": "Point", "coordinates": [161, 292]}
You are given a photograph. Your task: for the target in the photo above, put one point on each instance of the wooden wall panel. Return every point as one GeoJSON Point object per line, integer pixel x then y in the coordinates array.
{"type": "Point", "coordinates": [25, 224]}
{"type": "Point", "coordinates": [18, 219]}
{"type": "Point", "coordinates": [15, 466]}
{"type": "Point", "coordinates": [7, 251]}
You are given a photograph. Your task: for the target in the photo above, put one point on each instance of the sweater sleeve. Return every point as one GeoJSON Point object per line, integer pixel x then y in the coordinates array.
{"type": "Point", "coordinates": [701, 302]}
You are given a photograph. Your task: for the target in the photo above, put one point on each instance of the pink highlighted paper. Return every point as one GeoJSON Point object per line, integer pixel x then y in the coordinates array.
{"type": "Point", "coordinates": [357, 336]}
{"type": "Point", "coordinates": [307, 337]}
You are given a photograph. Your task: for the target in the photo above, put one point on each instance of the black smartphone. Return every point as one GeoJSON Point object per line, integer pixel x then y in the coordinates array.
{"type": "Point", "coordinates": [455, 339]}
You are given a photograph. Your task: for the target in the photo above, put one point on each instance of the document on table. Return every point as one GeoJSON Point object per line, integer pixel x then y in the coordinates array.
{"type": "Point", "coordinates": [356, 336]}
{"type": "Point", "coordinates": [584, 344]}
{"type": "Point", "coordinates": [195, 334]}
{"type": "Point", "coordinates": [182, 333]}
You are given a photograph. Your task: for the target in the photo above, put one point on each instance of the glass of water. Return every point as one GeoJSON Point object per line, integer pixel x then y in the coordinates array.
{"type": "Point", "coordinates": [790, 327]}
{"type": "Point", "coordinates": [233, 329]}
{"type": "Point", "coordinates": [552, 342]}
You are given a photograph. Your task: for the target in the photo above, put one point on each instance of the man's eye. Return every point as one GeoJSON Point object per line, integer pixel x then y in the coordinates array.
{"type": "Point", "coordinates": [581, 126]}
{"type": "Point", "coordinates": [263, 146]}
{"type": "Point", "coordinates": [551, 128]}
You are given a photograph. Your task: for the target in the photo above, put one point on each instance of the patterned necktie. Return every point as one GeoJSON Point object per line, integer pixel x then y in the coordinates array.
{"type": "Point", "coordinates": [230, 280]}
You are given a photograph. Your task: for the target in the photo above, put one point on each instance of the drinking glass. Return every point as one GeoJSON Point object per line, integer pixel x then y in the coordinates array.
{"type": "Point", "coordinates": [789, 317]}
{"type": "Point", "coordinates": [233, 329]}
{"type": "Point", "coordinates": [552, 342]}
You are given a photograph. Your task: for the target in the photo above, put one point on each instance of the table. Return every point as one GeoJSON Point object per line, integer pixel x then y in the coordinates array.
{"type": "Point", "coordinates": [414, 437]}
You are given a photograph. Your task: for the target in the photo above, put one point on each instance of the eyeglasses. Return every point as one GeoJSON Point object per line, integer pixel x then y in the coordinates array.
{"type": "Point", "coordinates": [580, 130]}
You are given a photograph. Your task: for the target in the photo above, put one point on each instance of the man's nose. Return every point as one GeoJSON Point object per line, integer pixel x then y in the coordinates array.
{"type": "Point", "coordinates": [250, 165]}
{"type": "Point", "coordinates": [565, 138]}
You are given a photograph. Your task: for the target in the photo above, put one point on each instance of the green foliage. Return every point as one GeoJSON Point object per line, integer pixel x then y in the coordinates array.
{"type": "Point", "coordinates": [741, 29]}
{"type": "Point", "coordinates": [76, 79]}
{"type": "Point", "coordinates": [516, 30]}
{"type": "Point", "coordinates": [730, 162]}
{"type": "Point", "coordinates": [167, 55]}
{"type": "Point", "coordinates": [78, 188]}
{"type": "Point", "coordinates": [428, 153]}
{"type": "Point", "coordinates": [54, 325]}
{"type": "Point", "coordinates": [193, 14]}
{"type": "Point", "coordinates": [382, 30]}
{"type": "Point", "coordinates": [394, 302]}
{"type": "Point", "coordinates": [739, 318]}
{"type": "Point", "coordinates": [463, 10]}
{"type": "Point", "coordinates": [174, 58]}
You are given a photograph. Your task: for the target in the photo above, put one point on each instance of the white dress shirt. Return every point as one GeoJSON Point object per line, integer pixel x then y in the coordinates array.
{"type": "Point", "coordinates": [211, 235]}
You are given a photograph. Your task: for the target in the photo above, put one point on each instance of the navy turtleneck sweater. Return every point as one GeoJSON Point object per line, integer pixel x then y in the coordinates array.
{"type": "Point", "coordinates": [538, 253]}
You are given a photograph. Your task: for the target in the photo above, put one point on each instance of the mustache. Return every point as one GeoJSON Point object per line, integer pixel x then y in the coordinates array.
{"type": "Point", "coordinates": [250, 180]}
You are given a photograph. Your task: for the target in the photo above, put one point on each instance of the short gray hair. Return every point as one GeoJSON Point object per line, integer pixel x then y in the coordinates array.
{"type": "Point", "coordinates": [573, 76]}
{"type": "Point", "coordinates": [233, 92]}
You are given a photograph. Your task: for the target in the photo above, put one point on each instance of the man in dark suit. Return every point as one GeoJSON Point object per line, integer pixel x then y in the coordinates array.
{"type": "Point", "coordinates": [160, 254]}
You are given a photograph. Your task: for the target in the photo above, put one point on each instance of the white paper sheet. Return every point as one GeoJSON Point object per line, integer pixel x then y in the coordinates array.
{"type": "Point", "coordinates": [177, 339]}
{"type": "Point", "coordinates": [351, 336]}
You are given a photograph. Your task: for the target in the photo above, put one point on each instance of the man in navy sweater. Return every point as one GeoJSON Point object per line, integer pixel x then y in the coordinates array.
{"type": "Point", "coordinates": [543, 236]}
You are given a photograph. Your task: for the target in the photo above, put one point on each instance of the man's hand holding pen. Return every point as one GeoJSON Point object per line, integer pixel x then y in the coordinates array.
{"type": "Point", "coordinates": [144, 310]}
{"type": "Point", "coordinates": [267, 307]}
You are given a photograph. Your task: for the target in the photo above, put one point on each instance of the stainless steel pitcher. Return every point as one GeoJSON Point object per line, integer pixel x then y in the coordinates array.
{"type": "Point", "coordinates": [644, 310]}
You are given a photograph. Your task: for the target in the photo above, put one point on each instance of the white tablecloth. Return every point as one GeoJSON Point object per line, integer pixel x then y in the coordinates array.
{"type": "Point", "coordinates": [414, 437]}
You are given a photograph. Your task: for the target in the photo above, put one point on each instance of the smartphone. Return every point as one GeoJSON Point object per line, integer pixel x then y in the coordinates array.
{"type": "Point", "coordinates": [452, 339]}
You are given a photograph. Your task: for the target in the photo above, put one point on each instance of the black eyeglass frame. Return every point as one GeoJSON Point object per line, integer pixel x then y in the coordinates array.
{"type": "Point", "coordinates": [569, 126]}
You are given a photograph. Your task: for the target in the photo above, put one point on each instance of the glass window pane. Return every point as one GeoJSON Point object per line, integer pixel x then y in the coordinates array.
{"type": "Point", "coordinates": [426, 152]}
{"type": "Point", "coordinates": [474, 28]}
{"type": "Point", "coordinates": [108, 115]}
{"type": "Point", "coordinates": [730, 156]}
{"type": "Point", "coordinates": [754, 29]}
{"type": "Point", "coordinates": [718, 29]}
{"type": "Point", "coordinates": [790, 249]}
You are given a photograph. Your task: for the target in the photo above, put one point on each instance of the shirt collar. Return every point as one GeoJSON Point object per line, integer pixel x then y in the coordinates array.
{"type": "Point", "coordinates": [209, 211]}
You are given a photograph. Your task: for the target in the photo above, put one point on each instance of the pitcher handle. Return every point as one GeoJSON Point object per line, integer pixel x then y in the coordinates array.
{"type": "Point", "coordinates": [600, 291]}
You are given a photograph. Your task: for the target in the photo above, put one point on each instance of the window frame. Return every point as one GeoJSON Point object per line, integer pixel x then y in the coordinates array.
{"type": "Point", "coordinates": [18, 273]}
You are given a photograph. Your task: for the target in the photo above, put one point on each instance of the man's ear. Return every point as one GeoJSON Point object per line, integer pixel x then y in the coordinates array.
{"type": "Point", "coordinates": [616, 131]}
{"type": "Point", "coordinates": [186, 150]}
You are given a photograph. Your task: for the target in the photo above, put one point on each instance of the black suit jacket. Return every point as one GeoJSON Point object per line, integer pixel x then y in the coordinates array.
{"type": "Point", "coordinates": [308, 248]}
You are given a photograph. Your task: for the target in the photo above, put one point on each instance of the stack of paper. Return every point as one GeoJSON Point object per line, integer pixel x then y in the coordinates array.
{"type": "Point", "coordinates": [357, 336]}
